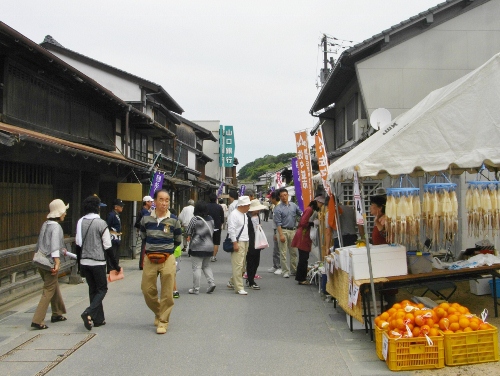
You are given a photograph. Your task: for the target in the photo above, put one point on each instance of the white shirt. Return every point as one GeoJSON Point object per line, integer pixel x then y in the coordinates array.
{"type": "Point", "coordinates": [186, 215]}
{"type": "Point", "coordinates": [235, 222]}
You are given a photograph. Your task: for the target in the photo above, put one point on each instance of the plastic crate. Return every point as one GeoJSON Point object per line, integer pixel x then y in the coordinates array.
{"type": "Point", "coordinates": [408, 354]}
{"type": "Point", "coordinates": [480, 346]}
{"type": "Point", "coordinates": [378, 341]}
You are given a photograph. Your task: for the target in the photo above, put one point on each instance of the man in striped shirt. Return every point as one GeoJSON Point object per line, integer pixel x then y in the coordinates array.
{"type": "Point", "coordinates": [163, 233]}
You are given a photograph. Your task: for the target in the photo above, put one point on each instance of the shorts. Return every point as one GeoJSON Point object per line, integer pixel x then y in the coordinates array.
{"type": "Point", "coordinates": [216, 237]}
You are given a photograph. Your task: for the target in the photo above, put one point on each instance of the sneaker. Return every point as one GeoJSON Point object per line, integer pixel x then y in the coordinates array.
{"type": "Point", "coordinates": [255, 287]}
{"type": "Point", "coordinates": [245, 276]}
{"type": "Point", "coordinates": [230, 285]}
{"type": "Point", "coordinates": [161, 329]}
{"type": "Point", "coordinates": [242, 292]}
{"type": "Point", "coordinates": [210, 289]}
{"type": "Point", "coordinates": [176, 294]}
{"type": "Point", "coordinates": [272, 270]}
{"type": "Point", "coordinates": [278, 272]}
{"type": "Point", "coordinates": [257, 276]}
{"type": "Point", "coordinates": [213, 258]}
{"type": "Point", "coordinates": [286, 275]}
{"type": "Point", "coordinates": [194, 291]}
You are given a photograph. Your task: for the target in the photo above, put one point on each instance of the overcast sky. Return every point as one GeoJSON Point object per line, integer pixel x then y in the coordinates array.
{"type": "Point", "coordinates": [250, 64]}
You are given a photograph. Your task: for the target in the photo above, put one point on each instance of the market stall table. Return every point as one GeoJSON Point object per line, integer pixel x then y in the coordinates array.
{"type": "Point", "coordinates": [338, 287]}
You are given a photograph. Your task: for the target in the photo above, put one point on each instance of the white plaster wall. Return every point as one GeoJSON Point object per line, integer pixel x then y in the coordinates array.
{"type": "Point", "coordinates": [191, 160]}
{"type": "Point", "coordinates": [401, 76]}
{"type": "Point", "coordinates": [123, 89]}
{"type": "Point", "coordinates": [211, 149]}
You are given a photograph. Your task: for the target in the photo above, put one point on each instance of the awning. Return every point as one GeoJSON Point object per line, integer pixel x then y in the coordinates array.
{"type": "Point", "coordinates": [454, 129]}
{"type": "Point", "coordinates": [177, 181]}
{"type": "Point", "coordinates": [18, 134]}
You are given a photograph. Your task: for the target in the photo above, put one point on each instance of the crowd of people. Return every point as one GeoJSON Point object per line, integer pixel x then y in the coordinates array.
{"type": "Point", "coordinates": [197, 230]}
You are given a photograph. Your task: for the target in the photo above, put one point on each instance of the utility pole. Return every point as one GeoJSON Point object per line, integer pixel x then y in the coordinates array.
{"type": "Point", "coordinates": [325, 70]}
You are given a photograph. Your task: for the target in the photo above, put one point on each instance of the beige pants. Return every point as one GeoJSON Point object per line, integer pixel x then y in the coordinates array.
{"type": "Point", "coordinates": [163, 306]}
{"type": "Point", "coordinates": [238, 260]}
{"type": "Point", "coordinates": [50, 294]}
{"type": "Point", "coordinates": [285, 248]}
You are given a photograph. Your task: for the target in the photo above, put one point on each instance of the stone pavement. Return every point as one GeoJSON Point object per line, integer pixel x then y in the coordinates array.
{"type": "Point", "coordinates": [283, 328]}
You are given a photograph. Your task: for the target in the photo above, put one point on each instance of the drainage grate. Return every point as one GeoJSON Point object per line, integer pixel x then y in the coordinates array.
{"type": "Point", "coordinates": [41, 347]}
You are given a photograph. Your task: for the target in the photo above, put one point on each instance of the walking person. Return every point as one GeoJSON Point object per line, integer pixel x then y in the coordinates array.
{"type": "Point", "coordinates": [237, 229]}
{"type": "Point", "coordinates": [147, 203]}
{"type": "Point", "coordinates": [163, 233]}
{"type": "Point", "coordinates": [253, 254]}
{"type": "Point", "coordinates": [115, 229]}
{"type": "Point", "coordinates": [217, 213]}
{"type": "Point", "coordinates": [94, 240]}
{"type": "Point", "coordinates": [199, 233]}
{"type": "Point", "coordinates": [285, 217]}
{"type": "Point", "coordinates": [224, 207]}
{"type": "Point", "coordinates": [185, 217]}
{"type": "Point", "coordinates": [233, 202]}
{"type": "Point", "coordinates": [276, 269]}
{"type": "Point", "coordinates": [302, 239]}
{"type": "Point", "coordinates": [51, 243]}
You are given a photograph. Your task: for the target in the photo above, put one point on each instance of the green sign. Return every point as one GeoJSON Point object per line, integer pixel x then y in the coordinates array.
{"type": "Point", "coordinates": [228, 146]}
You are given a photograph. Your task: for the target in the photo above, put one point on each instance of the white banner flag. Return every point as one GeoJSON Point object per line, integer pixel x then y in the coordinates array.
{"type": "Point", "coordinates": [358, 205]}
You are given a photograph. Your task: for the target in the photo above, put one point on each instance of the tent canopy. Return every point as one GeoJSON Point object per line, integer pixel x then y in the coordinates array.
{"type": "Point", "coordinates": [455, 128]}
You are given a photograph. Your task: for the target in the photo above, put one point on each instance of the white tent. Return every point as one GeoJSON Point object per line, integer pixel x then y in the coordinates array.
{"type": "Point", "coordinates": [455, 128]}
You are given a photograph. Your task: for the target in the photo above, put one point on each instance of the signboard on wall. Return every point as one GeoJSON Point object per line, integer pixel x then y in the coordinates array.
{"type": "Point", "coordinates": [129, 191]}
{"type": "Point", "coordinates": [229, 146]}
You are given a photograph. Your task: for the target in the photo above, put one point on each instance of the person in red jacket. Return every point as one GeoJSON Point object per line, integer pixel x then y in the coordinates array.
{"type": "Point", "coordinates": [302, 239]}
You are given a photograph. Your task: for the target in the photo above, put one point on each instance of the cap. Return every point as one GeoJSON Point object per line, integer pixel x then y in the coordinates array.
{"type": "Point", "coordinates": [147, 199]}
{"type": "Point", "coordinates": [118, 202]}
{"type": "Point", "coordinates": [320, 198]}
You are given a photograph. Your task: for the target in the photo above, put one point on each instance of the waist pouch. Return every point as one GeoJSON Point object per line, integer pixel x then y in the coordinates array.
{"type": "Point", "coordinates": [158, 258]}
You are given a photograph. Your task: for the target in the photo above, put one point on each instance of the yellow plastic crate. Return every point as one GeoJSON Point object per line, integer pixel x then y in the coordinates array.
{"type": "Point", "coordinates": [378, 342]}
{"type": "Point", "coordinates": [472, 347]}
{"type": "Point", "coordinates": [407, 354]}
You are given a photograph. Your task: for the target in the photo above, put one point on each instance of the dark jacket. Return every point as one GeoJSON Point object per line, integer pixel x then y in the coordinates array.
{"type": "Point", "coordinates": [217, 213]}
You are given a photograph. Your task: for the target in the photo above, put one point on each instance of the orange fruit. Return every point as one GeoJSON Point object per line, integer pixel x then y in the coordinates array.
{"type": "Point", "coordinates": [384, 316]}
{"type": "Point", "coordinates": [416, 331]}
{"type": "Point", "coordinates": [391, 311]}
{"type": "Point", "coordinates": [454, 326]}
{"type": "Point", "coordinates": [468, 329]}
{"type": "Point", "coordinates": [429, 322]}
{"type": "Point", "coordinates": [421, 305]}
{"type": "Point", "coordinates": [425, 329]}
{"type": "Point", "coordinates": [409, 316]}
{"type": "Point", "coordinates": [433, 332]}
{"type": "Point", "coordinates": [445, 306]}
{"type": "Point", "coordinates": [459, 331]}
{"type": "Point", "coordinates": [400, 314]}
{"type": "Point", "coordinates": [453, 318]}
{"type": "Point", "coordinates": [396, 306]}
{"type": "Point", "coordinates": [484, 326]}
{"type": "Point", "coordinates": [464, 322]}
{"type": "Point", "coordinates": [462, 310]}
{"type": "Point", "coordinates": [400, 324]}
{"type": "Point", "coordinates": [452, 310]}
{"type": "Point", "coordinates": [444, 324]}
{"type": "Point", "coordinates": [474, 324]}
{"type": "Point", "coordinates": [441, 312]}
{"type": "Point", "coordinates": [455, 305]}
{"type": "Point", "coordinates": [419, 320]}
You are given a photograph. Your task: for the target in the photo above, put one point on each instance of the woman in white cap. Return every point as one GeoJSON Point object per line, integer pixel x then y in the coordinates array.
{"type": "Point", "coordinates": [253, 254]}
{"type": "Point", "coordinates": [302, 239]}
{"type": "Point", "coordinates": [51, 243]}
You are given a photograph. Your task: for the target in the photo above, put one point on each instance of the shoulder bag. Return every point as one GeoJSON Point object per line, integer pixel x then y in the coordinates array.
{"type": "Point", "coordinates": [227, 245]}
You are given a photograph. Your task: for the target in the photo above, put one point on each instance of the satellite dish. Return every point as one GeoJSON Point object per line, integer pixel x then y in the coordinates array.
{"type": "Point", "coordinates": [380, 118]}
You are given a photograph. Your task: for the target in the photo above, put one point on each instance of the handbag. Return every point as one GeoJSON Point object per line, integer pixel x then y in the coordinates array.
{"type": "Point", "coordinates": [227, 245]}
{"type": "Point", "coordinates": [40, 260]}
{"type": "Point", "coordinates": [115, 276]}
{"type": "Point", "coordinates": [260, 238]}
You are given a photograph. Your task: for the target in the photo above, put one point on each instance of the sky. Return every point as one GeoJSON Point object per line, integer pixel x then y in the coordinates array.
{"type": "Point", "coordinates": [250, 64]}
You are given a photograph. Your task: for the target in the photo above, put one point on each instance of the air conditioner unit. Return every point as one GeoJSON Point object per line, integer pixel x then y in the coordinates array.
{"type": "Point", "coordinates": [359, 127]}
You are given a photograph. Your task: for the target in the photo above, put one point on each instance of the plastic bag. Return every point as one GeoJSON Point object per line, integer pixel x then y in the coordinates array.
{"type": "Point", "coordinates": [260, 238]}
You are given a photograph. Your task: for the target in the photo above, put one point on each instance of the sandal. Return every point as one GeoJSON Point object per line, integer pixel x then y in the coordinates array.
{"type": "Point", "coordinates": [304, 283]}
{"type": "Point", "coordinates": [57, 318]}
{"type": "Point", "coordinates": [87, 320]}
{"type": "Point", "coordinates": [39, 326]}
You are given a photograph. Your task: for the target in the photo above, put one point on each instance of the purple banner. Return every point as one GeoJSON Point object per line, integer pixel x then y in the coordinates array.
{"type": "Point", "coordinates": [156, 184]}
{"type": "Point", "coordinates": [296, 183]}
{"type": "Point", "coordinates": [219, 192]}
{"type": "Point", "coordinates": [242, 189]}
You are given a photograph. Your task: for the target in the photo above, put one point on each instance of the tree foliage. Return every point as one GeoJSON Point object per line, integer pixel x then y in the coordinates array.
{"type": "Point", "coordinates": [252, 171]}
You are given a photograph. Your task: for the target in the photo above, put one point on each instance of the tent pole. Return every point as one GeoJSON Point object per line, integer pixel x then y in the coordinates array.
{"type": "Point", "coordinates": [367, 241]}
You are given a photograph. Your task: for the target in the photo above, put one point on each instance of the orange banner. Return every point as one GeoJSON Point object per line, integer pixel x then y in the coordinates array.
{"type": "Point", "coordinates": [322, 160]}
{"type": "Point", "coordinates": [304, 165]}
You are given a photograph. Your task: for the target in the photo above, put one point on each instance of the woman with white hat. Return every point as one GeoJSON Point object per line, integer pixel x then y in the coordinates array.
{"type": "Point", "coordinates": [51, 243]}
{"type": "Point", "coordinates": [253, 254]}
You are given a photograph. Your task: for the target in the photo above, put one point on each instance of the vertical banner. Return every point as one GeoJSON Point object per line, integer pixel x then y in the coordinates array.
{"type": "Point", "coordinates": [219, 192]}
{"type": "Point", "coordinates": [358, 205]}
{"type": "Point", "coordinates": [296, 182]}
{"type": "Point", "coordinates": [228, 146]}
{"type": "Point", "coordinates": [221, 146]}
{"type": "Point", "coordinates": [157, 183]}
{"type": "Point", "coordinates": [322, 159]}
{"type": "Point", "coordinates": [279, 183]}
{"type": "Point", "coordinates": [242, 189]}
{"type": "Point", "coordinates": [304, 164]}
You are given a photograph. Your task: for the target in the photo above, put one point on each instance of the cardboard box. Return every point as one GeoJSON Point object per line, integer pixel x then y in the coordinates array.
{"type": "Point", "coordinates": [387, 261]}
{"type": "Point", "coordinates": [480, 286]}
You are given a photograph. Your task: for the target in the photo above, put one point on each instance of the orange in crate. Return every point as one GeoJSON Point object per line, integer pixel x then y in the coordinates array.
{"type": "Point", "coordinates": [407, 354]}
{"type": "Point", "coordinates": [471, 347]}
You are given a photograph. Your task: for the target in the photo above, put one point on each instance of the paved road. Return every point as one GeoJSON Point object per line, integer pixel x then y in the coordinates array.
{"type": "Point", "coordinates": [282, 329]}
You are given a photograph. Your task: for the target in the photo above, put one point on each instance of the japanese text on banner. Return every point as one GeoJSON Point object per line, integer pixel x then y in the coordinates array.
{"type": "Point", "coordinates": [322, 159]}
{"type": "Point", "coordinates": [358, 205]}
{"type": "Point", "coordinates": [304, 165]}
